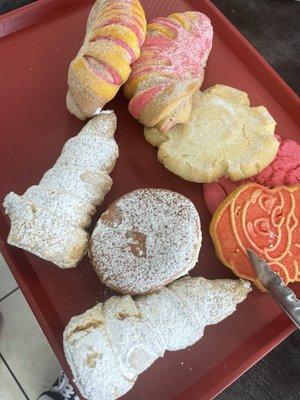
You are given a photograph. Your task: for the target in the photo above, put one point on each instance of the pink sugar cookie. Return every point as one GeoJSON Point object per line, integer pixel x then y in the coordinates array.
{"type": "Point", "coordinates": [284, 170]}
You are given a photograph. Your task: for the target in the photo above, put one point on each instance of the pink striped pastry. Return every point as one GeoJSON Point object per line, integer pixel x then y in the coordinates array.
{"type": "Point", "coordinates": [170, 69]}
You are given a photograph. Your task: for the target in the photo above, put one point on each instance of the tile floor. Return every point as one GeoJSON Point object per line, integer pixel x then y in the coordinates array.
{"type": "Point", "coordinates": [27, 363]}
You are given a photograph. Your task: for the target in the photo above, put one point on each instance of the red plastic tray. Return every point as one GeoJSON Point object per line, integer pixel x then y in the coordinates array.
{"type": "Point", "coordinates": [37, 45]}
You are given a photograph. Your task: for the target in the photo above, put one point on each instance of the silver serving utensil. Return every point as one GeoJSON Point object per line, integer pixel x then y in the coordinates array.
{"type": "Point", "coordinates": [283, 295]}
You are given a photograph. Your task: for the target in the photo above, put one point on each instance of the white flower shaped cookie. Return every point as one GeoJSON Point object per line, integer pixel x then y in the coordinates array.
{"type": "Point", "coordinates": [224, 136]}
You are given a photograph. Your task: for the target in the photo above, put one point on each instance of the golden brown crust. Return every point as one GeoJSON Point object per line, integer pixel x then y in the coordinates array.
{"type": "Point", "coordinates": [115, 31]}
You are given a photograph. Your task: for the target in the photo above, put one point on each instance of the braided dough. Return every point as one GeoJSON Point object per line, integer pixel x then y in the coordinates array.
{"type": "Point", "coordinates": [115, 32]}
{"type": "Point", "coordinates": [109, 345]}
{"type": "Point", "coordinates": [170, 69]}
{"type": "Point", "coordinates": [49, 219]}
{"type": "Point", "coordinates": [224, 136]}
{"type": "Point", "coordinates": [145, 240]}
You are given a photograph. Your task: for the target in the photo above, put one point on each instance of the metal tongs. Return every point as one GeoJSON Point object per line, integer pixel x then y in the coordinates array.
{"type": "Point", "coordinates": [283, 295]}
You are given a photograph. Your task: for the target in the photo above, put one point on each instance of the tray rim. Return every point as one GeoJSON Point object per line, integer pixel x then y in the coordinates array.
{"type": "Point", "coordinates": [32, 13]}
{"type": "Point", "coordinates": [41, 10]}
{"type": "Point", "coordinates": [251, 57]}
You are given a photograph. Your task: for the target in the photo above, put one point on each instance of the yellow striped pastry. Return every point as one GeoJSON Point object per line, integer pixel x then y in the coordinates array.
{"type": "Point", "coordinates": [115, 32]}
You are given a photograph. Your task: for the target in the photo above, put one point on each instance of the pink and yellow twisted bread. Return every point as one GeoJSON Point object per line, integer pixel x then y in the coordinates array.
{"type": "Point", "coordinates": [170, 69]}
{"type": "Point", "coordinates": [115, 32]}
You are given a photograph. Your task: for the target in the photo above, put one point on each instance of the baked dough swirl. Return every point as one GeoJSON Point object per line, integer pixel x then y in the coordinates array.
{"type": "Point", "coordinates": [170, 69]}
{"type": "Point", "coordinates": [115, 32]}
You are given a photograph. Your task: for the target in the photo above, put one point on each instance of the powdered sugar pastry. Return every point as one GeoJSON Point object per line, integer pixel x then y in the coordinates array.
{"type": "Point", "coordinates": [49, 219]}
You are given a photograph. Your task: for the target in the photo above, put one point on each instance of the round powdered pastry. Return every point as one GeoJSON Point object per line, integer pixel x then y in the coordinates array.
{"type": "Point", "coordinates": [145, 240]}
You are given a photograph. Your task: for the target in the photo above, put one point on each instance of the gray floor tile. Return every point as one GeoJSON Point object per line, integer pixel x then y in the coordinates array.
{"type": "Point", "coordinates": [7, 282]}
{"type": "Point", "coordinates": [24, 346]}
{"type": "Point", "coordinates": [9, 390]}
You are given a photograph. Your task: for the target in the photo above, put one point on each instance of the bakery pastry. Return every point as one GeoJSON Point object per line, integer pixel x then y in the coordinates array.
{"type": "Point", "coordinates": [223, 136]}
{"type": "Point", "coordinates": [115, 32]}
{"type": "Point", "coordinates": [263, 220]}
{"type": "Point", "coordinates": [170, 69]}
{"type": "Point", "coordinates": [283, 170]}
{"type": "Point", "coordinates": [108, 346]}
{"type": "Point", "coordinates": [145, 240]}
{"type": "Point", "coordinates": [49, 219]}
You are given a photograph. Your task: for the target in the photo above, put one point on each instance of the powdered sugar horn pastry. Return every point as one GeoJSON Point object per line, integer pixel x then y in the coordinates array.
{"type": "Point", "coordinates": [115, 32]}
{"type": "Point", "coordinates": [109, 345]}
{"type": "Point", "coordinates": [49, 219]}
{"type": "Point", "coordinates": [170, 69]}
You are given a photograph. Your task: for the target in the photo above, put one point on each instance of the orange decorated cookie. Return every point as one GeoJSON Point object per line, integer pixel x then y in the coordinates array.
{"type": "Point", "coordinates": [263, 220]}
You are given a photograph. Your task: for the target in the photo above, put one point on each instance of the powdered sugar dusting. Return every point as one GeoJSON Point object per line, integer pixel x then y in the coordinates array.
{"type": "Point", "coordinates": [43, 234]}
{"type": "Point", "coordinates": [169, 318]}
{"type": "Point", "coordinates": [146, 239]}
{"type": "Point", "coordinates": [122, 337]}
{"type": "Point", "coordinates": [49, 219]}
{"type": "Point", "coordinates": [215, 297]}
{"type": "Point", "coordinates": [88, 351]}
{"type": "Point", "coordinates": [134, 343]}
{"type": "Point", "coordinates": [92, 153]}
{"type": "Point", "coordinates": [97, 111]}
{"type": "Point", "coordinates": [81, 183]}
{"type": "Point", "coordinates": [77, 212]}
